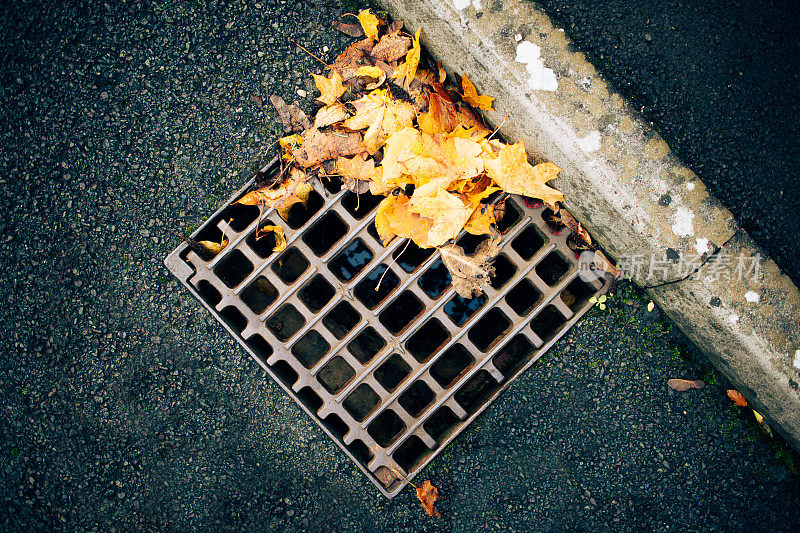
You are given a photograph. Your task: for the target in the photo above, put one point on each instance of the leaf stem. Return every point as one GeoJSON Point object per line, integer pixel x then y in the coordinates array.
{"type": "Point", "coordinates": [308, 52]}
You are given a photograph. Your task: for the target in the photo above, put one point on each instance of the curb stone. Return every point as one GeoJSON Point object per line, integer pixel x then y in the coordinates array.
{"type": "Point", "coordinates": [626, 186]}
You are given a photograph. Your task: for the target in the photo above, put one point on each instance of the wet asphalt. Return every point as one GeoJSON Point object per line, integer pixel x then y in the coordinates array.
{"type": "Point", "coordinates": [126, 407]}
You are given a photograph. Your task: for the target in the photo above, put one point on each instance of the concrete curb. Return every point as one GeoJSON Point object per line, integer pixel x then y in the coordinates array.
{"type": "Point", "coordinates": [647, 209]}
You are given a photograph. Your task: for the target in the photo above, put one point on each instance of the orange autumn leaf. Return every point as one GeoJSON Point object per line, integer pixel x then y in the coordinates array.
{"type": "Point", "coordinates": [428, 495]}
{"type": "Point", "coordinates": [472, 97]}
{"type": "Point", "coordinates": [214, 247]}
{"type": "Point", "coordinates": [369, 23]}
{"type": "Point", "coordinates": [330, 88]}
{"type": "Point", "coordinates": [394, 218]}
{"type": "Point", "coordinates": [482, 221]}
{"type": "Point", "coordinates": [408, 69]}
{"type": "Point", "coordinates": [280, 237]}
{"type": "Point", "coordinates": [737, 398]}
{"type": "Point", "coordinates": [381, 115]}
{"type": "Point", "coordinates": [512, 172]}
{"type": "Point", "coordinates": [294, 190]}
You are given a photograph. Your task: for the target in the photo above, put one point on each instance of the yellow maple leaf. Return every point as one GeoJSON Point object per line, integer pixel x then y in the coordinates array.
{"type": "Point", "coordinates": [280, 238]}
{"type": "Point", "coordinates": [448, 213]}
{"type": "Point", "coordinates": [330, 88]}
{"type": "Point", "coordinates": [394, 218]}
{"type": "Point", "coordinates": [472, 97]}
{"type": "Point", "coordinates": [399, 147]}
{"type": "Point", "coordinates": [408, 69]}
{"type": "Point", "coordinates": [369, 23]}
{"type": "Point", "coordinates": [514, 174]}
{"type": "Point", "coordinates": [356, 168]}
{"type": "Point", "coordinates": [381, 115]}
{"type": "Point", "coordinates": [481, 221]}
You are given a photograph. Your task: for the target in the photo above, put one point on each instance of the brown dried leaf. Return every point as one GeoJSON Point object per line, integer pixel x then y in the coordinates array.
{"type": "Point", "coordinates": [353, 30]}
{"type": "Point", "coordinates": [737, 398]}
{"type": "Point", "coordinates": [293, 118]}
{"type": "Point", "coordinates": [294, 190]}
{"type": "Point", "coordinates": [428, 495]}
{"type": "Point", "coordinates": [682, 385]}
{"type": "Point", "coordinates": [318, 147]}
{"type": "Point", "coordinates": [330, 115]}
{"type": "Point", "coordinates": [470, 273]}
{"type": "Point", "coordinates": [256, 99]}
{"type": "Point", "coordinates": [566, 218]}
{"type": "Point", "coordinates": [408, 69]}
{"type": "Point", "coordinates": [391, 47]}
{"type": "Point", "coordinates": [372, 72]}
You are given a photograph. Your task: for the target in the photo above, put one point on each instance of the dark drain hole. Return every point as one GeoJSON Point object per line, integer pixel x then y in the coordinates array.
{"type": "Point", "coordinates": [385, 428]}
{"type": "Point", "coordinates": [510, 217]}
{"type": "Point", "coordinates": [410, 256]}
{"type": "Point", "coordinates": [435, 280]}
{"type": "Point", "coordinates": [260, 347]}
{"type": "Point", "coordinates": [552, 268]}
{"type": "Point", "coordinates": [208, 293]}
{"type": "Point", "coordinates": [392, 372]}
{"type": "Point", "coordinates": [238, 216]}
{"type": "Point", "coordinates": [513, 355]}
{"type": "Point", "coordinates": [316, 293]}
{"type": "Point", "coordinates": [341, 319]}
{"type": "Point", "coordinates": [547, 323]}
{"type": "Point", "coordinates": [336, 426]}
{"type": "Point", "coordinates": [310, 348]}
{"type": "Point", "coordinates": [491, 326]}
{"type": "Point", "coordinates": [366, 344]}
{"type": "Point", "coordinates": [470, 242]}
{"type": "Point", "coordinates": [401, 312]}
{"type": "Point", "coordinates": [335, 375]}
{"type": "Point", "coordinates": [299, 214]}
{"type": "Point", "coordinates": [325, 233]}
{"type": "Point", "coordinates": [310, 399]}
{"type": "Point", "coordinates": [411, 453]}
{"type": "Point", "coordinates": [285, 322]}
{"type": "Point", "coordinates": [427, 339]}
{"type": "Point", "coordinates": [365, 290]}
{"type": "Point", "coordinates": [234, 318]}
{"type": "Point", "coordinates": [416, 398]}
{"type": "Point", "coordinates": [476, 391]}
{"type": "Point", "coordinates": [259, 295]}
{"type": "Point", "coordinates": [503, 271]}
{"type": "Point", "coordinates": [577, 294]}
{"type": "Point", "coordinates": [290, 265]}
{"type": "Point", "coordinates": [450, 365]}
{"type": "Point", "coordinates": [360, 205]}
{"type": "Point", "coordinates": [350, 261]}
{"type": "Point", "coordinates": [361, 402]}
{"type": "Point", "coordinates": [459, 309]}
{"type": "Point", "coordinates": [523, 297]}
{"type": "Point", "coordinates": [285, 373]}
{"type": "Point", "coordinates": [440, 424]}
{"type": "Point", "coordinates": [528, 242]}
{"type": "Point", "coordinates": [360, 451]}
{"type": "Point", "coordinates": [233, 269]}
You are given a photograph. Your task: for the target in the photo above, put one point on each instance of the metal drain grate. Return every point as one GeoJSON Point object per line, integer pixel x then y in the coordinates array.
{"type": "Point", "coordinates": [392, 374]}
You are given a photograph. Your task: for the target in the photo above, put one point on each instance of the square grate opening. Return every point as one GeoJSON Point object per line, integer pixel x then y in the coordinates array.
{"type": "Point", "coordinates": [371, 341]}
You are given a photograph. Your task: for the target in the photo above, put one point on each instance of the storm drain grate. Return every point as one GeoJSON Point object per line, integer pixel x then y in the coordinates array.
{"type": "Point", "coordinates": [392, 374]}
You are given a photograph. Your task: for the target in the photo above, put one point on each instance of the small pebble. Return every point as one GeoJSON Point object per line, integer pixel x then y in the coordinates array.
{"type": "Point", "coordinates": [301, 93]}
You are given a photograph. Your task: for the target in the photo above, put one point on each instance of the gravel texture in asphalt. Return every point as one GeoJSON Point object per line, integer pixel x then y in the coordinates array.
{"type": "Point", "coordinates": [719, 80]}
{"type": "Point", "coordinates": [126, 407]}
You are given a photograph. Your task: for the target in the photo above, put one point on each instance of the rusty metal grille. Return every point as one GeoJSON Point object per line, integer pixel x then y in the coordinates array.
{"type": "Point", "coordinates": [372, 342]}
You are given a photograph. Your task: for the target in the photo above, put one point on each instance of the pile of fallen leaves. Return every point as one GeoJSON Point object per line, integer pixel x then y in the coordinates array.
{"type": "Point", "coordinates": [391, 124]}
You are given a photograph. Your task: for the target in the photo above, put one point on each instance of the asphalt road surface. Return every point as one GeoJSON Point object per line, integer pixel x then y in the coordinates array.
{"type": "Point", "coordinates": [126, 407]}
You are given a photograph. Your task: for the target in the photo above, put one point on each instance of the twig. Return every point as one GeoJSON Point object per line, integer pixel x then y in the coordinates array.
{"type": "Point", "coordinates": [308, 52]}
{"type": "Point", "coordinates": [497, 128]}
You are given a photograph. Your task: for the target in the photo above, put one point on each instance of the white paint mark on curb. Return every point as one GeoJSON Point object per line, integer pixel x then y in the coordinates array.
{"type": "Point", "coordinates": [462, 4]}
{"type": "Point", "coordinates": [683, 222]}
{"type": "Point", "coordinates": [797, 358]}
{"type": "Point", "coordinates": [733, 319]}
{"type": "Point", "coordinates": [701, 246]}
{"type": "Point", "coordinates": [752, 297]}
{"type": "Point", "coordinates": [542, 78]}
{"type": "Point", "coordinates": [690, 186]}
{"type": "Point", "coordinates": [590, 143]}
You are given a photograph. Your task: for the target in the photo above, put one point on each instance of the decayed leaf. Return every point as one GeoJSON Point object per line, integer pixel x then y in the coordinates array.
{"type": "Point", "coordinates": [408, 69]}
{"type": "Point", "coordinates": [330, 115]}
{"type": "Point", "coordinates": [372, 72]}
{"type": "Point", "coordinates": [391, 47]}
{"type": "Point", "coordinates": [566, 218]}
{"type": "Point", "coordinates": [470, 273]}
{"type": "Point", "coordinates": [602, 263]}
{"type": "Point", "coordinates": [293, 118]}
{"type": "Point", "coordinates": [512, 172]}
{"type": "Point", "coordinates": [318, 147]}
{"type": "Point", "coordinates": [428, 495]}
{"type": "Point", "coordinates": [381, 115]}
{"type": "Point", "coordinates": [214, 247]}
{"type": "Point", "coordinates": [280, 238]}
{"type": "Point", "coordinates": [472, 97]}
{"type": "Point", "coordinates": [330, 88]}
{"type": "Point", "coordinates": [353, 57]}
{"type": "Point", "coordinates": [294, 190]}
{"type": "Point", "coordinates": [682, 385]}
{"type": "Point", "coordinates": [353, 30]}
{"type": "Point", "coordinates": [369, 23]}
{"type": "Point", "coordinates": [737, 398]}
